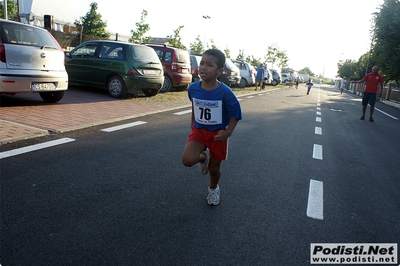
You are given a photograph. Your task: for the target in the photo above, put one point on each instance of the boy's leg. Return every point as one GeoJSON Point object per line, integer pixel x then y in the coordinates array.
{"type": "Point", "coordinates": [215, 172]}
{"type": "Point", "coordinates": [193, 153]}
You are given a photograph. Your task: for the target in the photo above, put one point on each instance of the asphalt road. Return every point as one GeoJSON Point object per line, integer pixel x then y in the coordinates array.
{"type": "Point", "coordinates": [302, 169]}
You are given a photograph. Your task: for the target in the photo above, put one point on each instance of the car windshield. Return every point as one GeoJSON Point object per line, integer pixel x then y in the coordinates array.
{"type": "Point", "coordinates": [143, 54]}
{"type": "Point", "coordinates": [25, 35]}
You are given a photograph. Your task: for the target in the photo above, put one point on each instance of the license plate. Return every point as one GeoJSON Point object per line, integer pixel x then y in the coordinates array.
{"type": "Point", "coordinates": [43, 86]}
{"type": "Point", "coordinates": [185, 70]}
{"type": "Point", "coordinates": [150, 72]}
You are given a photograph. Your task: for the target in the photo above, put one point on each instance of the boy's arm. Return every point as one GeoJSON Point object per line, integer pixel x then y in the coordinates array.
{"type": "Point", "coordinates": [223, 135]}
{"type": "Point", "coordinates": [192, 118]}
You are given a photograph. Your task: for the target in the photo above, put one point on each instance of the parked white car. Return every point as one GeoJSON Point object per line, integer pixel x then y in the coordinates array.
{"type": "Point", "coordinates": [246, 73]}
{"type": "Point", "coordinates": [31, 60]}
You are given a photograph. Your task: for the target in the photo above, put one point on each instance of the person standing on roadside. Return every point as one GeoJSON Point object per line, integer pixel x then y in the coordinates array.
{"type": "Point", "coordinates": [373, 81]}
{"type": "Point", "coordinates": [259, 76]}
{"type": "Point", "coordinates": [343, 83]}
{"type": "Point", "coordinates": [215, 114]}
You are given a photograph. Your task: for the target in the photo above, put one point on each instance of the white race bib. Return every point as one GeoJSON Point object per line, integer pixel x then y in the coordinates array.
{"type": "Point", "coordinates": [207, 112]}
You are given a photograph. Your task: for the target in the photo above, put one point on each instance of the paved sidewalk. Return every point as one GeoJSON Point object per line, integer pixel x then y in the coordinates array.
{"type": "Point", "coordinates": [32, 117]}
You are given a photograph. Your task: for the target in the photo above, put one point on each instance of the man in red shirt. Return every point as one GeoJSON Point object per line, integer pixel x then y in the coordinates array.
{"type": "Point", "coordinates": [373, 82]}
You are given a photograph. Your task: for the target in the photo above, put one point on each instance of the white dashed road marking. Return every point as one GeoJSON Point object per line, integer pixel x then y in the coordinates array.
{"type": "Point", "coordinates": [34, 147]}
{"type": "Point", "coordinates": [111, 129]}
{"type": "Point", "coordinates": [183, 112]}
{"type": "Point", "coordinates": [317, 152]}
{"type": "Point", "coordinates": [315, 206]}
{"type": "Point", "coordinates": [318, 131]}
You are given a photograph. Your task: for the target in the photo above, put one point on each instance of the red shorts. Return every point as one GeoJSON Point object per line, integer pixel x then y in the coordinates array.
{"type": "Point", "coordinates": [218, 150]}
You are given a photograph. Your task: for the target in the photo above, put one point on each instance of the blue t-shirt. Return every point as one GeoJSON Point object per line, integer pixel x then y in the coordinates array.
{"type": "Point", "coordinates": [260, 73]}
{"type": "Point", "coordinates": [213, 109]}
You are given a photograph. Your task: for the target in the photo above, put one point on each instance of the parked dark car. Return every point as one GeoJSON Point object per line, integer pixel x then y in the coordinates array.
{"type": "Point", "coordinates": [31, 60]}
{"type": "Point", "coordinates": [231, 74]}
{"type": "Point", "coordinates": [273, 77]}
{"type": "Point", "coordinates": [176, 64]}
{"type": "Point", "coordinates": [119, 67]}
{"type": "Point", "coordinates": [194, 66]}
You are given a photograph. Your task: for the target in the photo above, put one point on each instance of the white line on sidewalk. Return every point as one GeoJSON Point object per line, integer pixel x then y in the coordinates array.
{"type": "Point", "coordinates": [315, 206]}
{"type": "Point", "coordinates": [35, 147]}
{"type": "Point", "coordinates": [183, 112]}
{"type": "Point", "coordinates": [317, 152]}
{"type": "Point", "coordinates": [111, 129]}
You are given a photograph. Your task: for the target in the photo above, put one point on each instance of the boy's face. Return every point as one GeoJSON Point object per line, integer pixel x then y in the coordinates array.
{"type": "Point", "coordinates": [208, 69]}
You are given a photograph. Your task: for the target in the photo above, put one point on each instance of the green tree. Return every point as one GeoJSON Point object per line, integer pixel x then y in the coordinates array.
{"type": "Point", "coordinates": [92, 24]}
{"type": "Point", "coordinates": [253, 61]}
{"type": "Point", "coordinates": [227, 52]}
{"type": "Point", "coordinates": [282, 59]}
{"type": "Point", "coordinates": [276, 57]}
{"type": "Point", "coordinates": [197, 46]}
{"type": "Point", "coordinates": [213, 45]}
{"type": "Point", "coordinates": [386, 40]}
{"type": "Point", "coordinates": [350, 69]}
{"type": "Point", "coordinates": [175, 40]}
{"type": "Point", "coordinates": [306, 70]}
{"type": "Point", "coordinates": [241, 56]}
{"type": "Point", "coordinates": [12, 9]}
{"type": "Point", "coordinates": [141, 29]}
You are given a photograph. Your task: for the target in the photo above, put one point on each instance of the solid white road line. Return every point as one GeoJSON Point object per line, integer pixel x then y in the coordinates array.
{"type": "Point", "coordinates": [317, 152]}
{"type": "Point", "coordinates": [318, 131]}
{"type": "Point", "coordinates": [35, 147]}
{"type": "Point", "coordinates": [395, 118]}
{"type": "Point", "coordinates": [315, 206]}
{"type": "Point", "coordinates": [111, 129]}
{"type": "Point", "coordinates": [183, 112]}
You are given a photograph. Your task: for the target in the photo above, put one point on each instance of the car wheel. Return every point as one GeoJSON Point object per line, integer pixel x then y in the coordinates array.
{"type": "Point", "coordinates": [167, 85]}
{"type": "Point", "coordinates": [274, 82]}
{"type": "Point", "coordinates": [116, 87]}
{"type": "Point", "coordinates": [150, 92]}
{"type": "Point", "coordinates": [242, 83]}
{"type": "Point", "coordinates": [52, 96]}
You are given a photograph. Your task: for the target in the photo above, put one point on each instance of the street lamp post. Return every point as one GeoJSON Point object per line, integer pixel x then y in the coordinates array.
{"type": "Point", "coordinates": [205, 29]}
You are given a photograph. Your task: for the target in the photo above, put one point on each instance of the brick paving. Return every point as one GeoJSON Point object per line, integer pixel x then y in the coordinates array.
{"type": "Point", "coordinates": [25, 115]}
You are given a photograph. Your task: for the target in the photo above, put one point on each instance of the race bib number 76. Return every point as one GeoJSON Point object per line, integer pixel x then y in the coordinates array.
{"type": "Point", "coordinates": [207, 112]}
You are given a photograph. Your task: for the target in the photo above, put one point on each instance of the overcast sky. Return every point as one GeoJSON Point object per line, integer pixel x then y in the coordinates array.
{"type": "Point", "coordinates": [314, 33]}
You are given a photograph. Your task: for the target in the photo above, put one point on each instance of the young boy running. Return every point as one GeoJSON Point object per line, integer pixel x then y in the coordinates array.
{"type": "Point", "coordinates": [309, 85]}
{"type": "Point", "coordinates": [215, 114]}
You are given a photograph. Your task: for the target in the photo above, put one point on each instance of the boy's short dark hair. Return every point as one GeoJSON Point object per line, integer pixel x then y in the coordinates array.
{"type": "Point", "coordinates": [220, 56]}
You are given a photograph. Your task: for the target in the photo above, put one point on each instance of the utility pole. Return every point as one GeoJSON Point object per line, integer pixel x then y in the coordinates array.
{"type": "Point", "coordinates": [5, 9]}
{"type": "Point", "coordinates": [205, 30]}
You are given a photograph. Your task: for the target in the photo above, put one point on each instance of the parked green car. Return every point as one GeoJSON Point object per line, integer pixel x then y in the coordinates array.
{"type": "Point", "coordinates": [119, 67]}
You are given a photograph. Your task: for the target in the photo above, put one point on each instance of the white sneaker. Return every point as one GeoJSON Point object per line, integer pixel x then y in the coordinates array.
{"type": "Point", "coordinates": [213, 196]}
{"type": "Point", "coordinates": [204, 165]}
